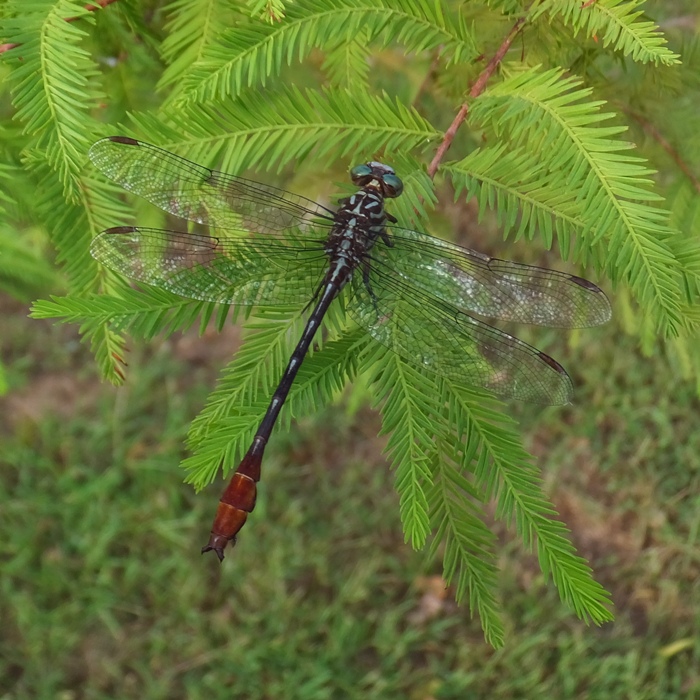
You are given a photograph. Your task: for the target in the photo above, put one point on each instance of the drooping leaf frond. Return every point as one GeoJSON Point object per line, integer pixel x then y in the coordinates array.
{"type": "Point", "coordinates": [72, 227]}
{"type": "Point", "coordinates": [624, 235]}
{"type": "Point", "coordinates": [504, 471]}
{"type": "Point", "coordinates": [405, 394]}
{"type": "Point", "coordinates": [348, 63]}
{"type": "Point", "coordinates": [145, 313]}
{"type": "Point", "coordinates": [458, 525]}
{"type": "Point", "coordinates": [289, 125]}
{"type": "Point", "coordinates": [615, 23]}
{"type": "Point", "coordinates": [509, 180]}
{"type": "Point", "coordinates": [431, 422]}
{"type": "Point", "coordinates": [54, 107]}
{"type": "Point", "coordinates": [193, 25]}
{"type": "Point", "coordinates": [249, 54]}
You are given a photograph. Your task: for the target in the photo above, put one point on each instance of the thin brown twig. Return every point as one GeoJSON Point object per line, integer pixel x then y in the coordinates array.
{"type": "Point", "coordinates": [654, 132]}
{"type": "Point", "coordinates": [100, 5]}
{"type": "Point", "coordinates": [477, 88]}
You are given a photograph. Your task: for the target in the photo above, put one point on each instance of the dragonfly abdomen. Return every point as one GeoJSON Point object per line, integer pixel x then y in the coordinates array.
{"type": "Point", "coordinates": [357, 225]}
{"type": "Point", "coordinates": [239, 497]}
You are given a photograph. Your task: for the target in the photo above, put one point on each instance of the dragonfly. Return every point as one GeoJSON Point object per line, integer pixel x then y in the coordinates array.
{"type": "Point", "coordinates": [416, 294]}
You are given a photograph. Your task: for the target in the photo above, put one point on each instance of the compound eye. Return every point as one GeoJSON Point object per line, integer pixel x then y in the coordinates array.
{"type": "Point", "coordinates": [360, 174]}
{"type": "Point", "coordinates": [393, 186]}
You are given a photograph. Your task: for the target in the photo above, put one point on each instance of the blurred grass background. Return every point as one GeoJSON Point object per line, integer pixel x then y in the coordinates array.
{"type": "Point", "coordinates": [105, 594]}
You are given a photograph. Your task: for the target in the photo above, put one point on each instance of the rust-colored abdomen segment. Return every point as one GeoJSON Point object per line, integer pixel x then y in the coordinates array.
{"type": "Point", "coordinates": [240, 493]}
{"type": "Point", "coordinates": [228, 521]}
{"type": "Point", "coordinates": [236, 502]}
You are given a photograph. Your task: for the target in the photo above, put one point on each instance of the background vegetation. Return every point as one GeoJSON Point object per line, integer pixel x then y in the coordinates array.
{"type": "Point", "coordinates": [321, 597]}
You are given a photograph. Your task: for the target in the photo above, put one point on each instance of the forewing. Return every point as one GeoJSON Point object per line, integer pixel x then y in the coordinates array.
{"type": "Point", "coordinates": [491, 287]}
{"type": "Point", "coordinates": [434, 335]}
{"type": "Point", "coordinates": [193, 192]}
{"type": "Point", "coordinates": [247, 270]}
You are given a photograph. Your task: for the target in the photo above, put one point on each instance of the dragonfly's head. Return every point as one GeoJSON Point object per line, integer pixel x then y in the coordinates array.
{"type": "Point", "coordinates": [377, 176]}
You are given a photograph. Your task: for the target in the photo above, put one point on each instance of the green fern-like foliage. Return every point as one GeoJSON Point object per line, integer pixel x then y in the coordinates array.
{"type": "Point", "coordinates": [301, 90]}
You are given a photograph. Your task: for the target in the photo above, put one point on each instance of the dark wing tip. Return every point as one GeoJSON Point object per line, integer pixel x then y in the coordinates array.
{"type": "Point", "coordinates": [100, 152]}
{"type": "Point", "coordinates": [552, 363]}
{"type": "Point", "coordinates": [126, 140]}
{"type": "Point", "coordinates": [603, 311]}
{"type": "Point", "coordinates": [586, 284]}
{"type": "Point", "coordinates": [564, 392]}
{"type": "Point", "coordinates": [121, 229]}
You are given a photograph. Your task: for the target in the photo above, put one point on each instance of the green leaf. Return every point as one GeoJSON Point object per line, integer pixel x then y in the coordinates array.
{"type": "Point", "coordinates": [249, 53]}
{"type": "Point", "coordinates": [288, 126]}
{"type": "Point", "coordinates": [555, 129]}
{"type": "Point", "coordinates": [53, 84]}
{"type": "Point", "coordinates": [615, 23]}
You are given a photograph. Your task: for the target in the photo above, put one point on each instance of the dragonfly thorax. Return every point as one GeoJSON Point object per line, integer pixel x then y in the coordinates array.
{"type": "Point", "coordinates": [358, 223]}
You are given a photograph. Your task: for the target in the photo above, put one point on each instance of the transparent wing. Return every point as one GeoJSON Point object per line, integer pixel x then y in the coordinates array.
{"type": "Point", "coordinates": [491, 287]}
{"type": "Point", "coordinates": [246, 270]}
{"type": "Point", "coordinates": [193, 192]}
{"type": "Point", "coordinates": [433, 334]}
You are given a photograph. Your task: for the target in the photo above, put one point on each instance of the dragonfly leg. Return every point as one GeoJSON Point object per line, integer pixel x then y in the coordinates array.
{"type": "Point", "coordinates": [386, 238]}
{"type": "Point", "coordinates": [368, 286]}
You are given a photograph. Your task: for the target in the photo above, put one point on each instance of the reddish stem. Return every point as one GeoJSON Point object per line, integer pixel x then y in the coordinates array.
{"type": "Point", "coordinates": [477, 88]}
